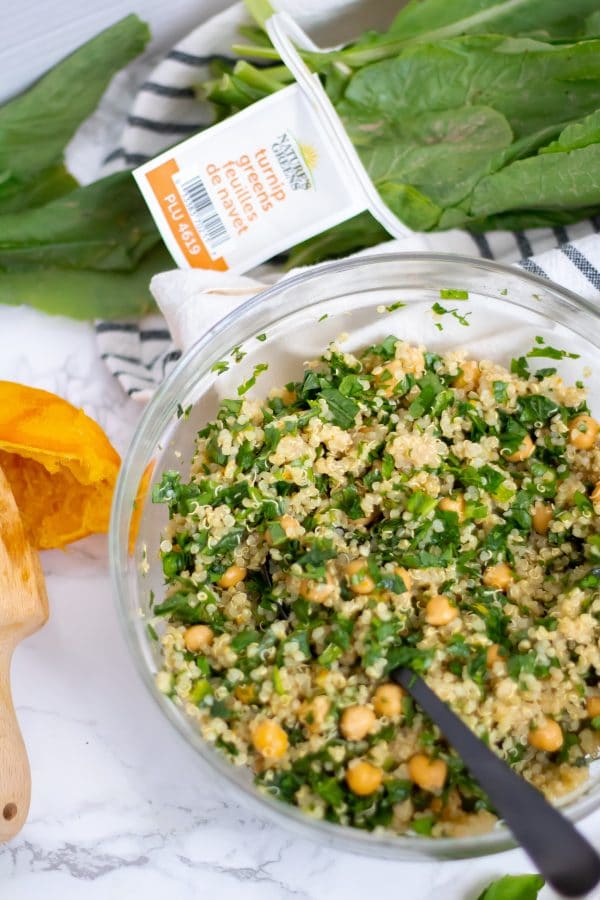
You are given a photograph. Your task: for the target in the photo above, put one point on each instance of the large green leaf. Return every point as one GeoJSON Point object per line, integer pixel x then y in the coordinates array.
{"type": "Point", "coordinates": [105, 225]}
{"type": "Point", "coordinates": [36, 126]}
{"type": "Point", "coordinates": [443, 154]}
{"type": "Point", "coordinates": [455, 112]}
{"type": "Point", "coordinates": [514, 887]}
{"type": "Point", "coordinates": [63, 248]}
{"type": "Point", "coordinates": [411, 206]}
{"type": "Point", "coordinates": [547, 181]}
{"type": "Point", "coordinates": [85, 294]}
{"type": "Point", "coordinates": [435, 19]}
{"type": "Point", "coordinates": [517, 220]}
{"type": "Point", "coordinates": [592, 24]}
{"type": "Point", "coordinates": [42, 188]}
{"type": "Point", "coordinates": [432, 21]}
{"type": "Point", "coordinates": [354, 234]}
{"type": "Point", "coordinates": [533, 84]}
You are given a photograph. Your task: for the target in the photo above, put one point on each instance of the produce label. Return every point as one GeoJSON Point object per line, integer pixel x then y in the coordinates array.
{"type": "Point", "coordinates": [248, 188]}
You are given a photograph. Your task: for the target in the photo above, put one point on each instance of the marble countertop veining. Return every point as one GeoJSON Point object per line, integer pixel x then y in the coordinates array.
{"type": "Point", "coordinates": [121, 806]}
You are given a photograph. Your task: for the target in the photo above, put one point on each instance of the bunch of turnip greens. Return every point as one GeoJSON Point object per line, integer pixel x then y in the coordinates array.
{"type": "Point", "coordinates": [79, 251]}
{"type": "Point", "coordinates": [476, 113]}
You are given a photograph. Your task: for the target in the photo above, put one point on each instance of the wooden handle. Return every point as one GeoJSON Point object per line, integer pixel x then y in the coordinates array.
{"type": "Point", "coordinates": [15, 777]}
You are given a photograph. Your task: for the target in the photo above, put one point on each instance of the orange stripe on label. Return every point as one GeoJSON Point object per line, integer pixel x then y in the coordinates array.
{"type": "Point", "coordinates": [179, 220]}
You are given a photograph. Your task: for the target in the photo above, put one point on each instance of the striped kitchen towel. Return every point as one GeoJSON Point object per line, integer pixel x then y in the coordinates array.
{"type": "Point", "coordinates": [166, 110]}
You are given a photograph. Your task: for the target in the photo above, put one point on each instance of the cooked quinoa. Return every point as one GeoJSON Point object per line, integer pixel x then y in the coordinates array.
{"type": "Point", "coordinates": [395, 507]}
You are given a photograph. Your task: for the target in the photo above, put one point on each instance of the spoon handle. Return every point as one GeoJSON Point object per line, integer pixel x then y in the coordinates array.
{"type": "Point", "coordinates": [563, 856]}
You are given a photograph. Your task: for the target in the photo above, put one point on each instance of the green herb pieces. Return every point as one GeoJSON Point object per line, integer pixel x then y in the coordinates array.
{"type": "Point", "coordinates": [441, 311]}
{"type": "Point", "coordinates": [342, 409]}
{"type": "Point", "coordinates": [520, 367]}
{"type": "Point", "coordinates": [392, 307]}
{"type": "Point", "coordinates": [547, 352]}
{"type": "Point", "coordinates": [245, 387]}
{"type": "Point", "coordinates": [183, 413]}
{"type": "Point", "coordinates": [500, 389]}
{"type": "Point", "coordinates": [423, 825]}
{"type": "Point", "coordinates": [452, 294]}
{"type": "Point", "coordinates": [535, 409]}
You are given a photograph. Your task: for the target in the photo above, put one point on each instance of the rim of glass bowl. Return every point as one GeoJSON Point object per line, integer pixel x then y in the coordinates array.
{"type": "Point", "coordinates": [155, 420]}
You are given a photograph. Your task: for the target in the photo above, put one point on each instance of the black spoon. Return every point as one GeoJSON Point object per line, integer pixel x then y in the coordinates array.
{"type": "Point", "coordinates": [562, 855]}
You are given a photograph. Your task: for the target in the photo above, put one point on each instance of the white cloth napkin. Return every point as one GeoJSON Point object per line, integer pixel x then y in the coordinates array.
{"type": "Point", "coordinates": [191, 301]}
{"type": "Point", "coordinates": [194, 300]}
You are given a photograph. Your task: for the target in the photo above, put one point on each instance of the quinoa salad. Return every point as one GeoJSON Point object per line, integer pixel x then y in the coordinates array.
{"type": "Point", "coordinates": [393, 507]}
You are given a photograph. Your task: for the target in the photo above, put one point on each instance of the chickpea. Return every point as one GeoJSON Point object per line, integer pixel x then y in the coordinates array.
{"type": "Point", "coordinates": [291, 527]}
{"type": "Point", "coordinates": [468, 379]}
{"type": "Point", "coordinates": [583, 431]}
{"type": "Point", "coordinates": [493, 656]}
{"type": "Point", "coordinates": [523, 451]}
{"type": "Point", "coordinates": [595, 495]}
{"type": "Point", "coordinates": [198, 638]}
{"type": "Point", "coordinates": [314, 712]}
{"type": "Point", "coordinates": [428, 774]}
{"type": "Point", "coordinates": [389, 375]}
{"type": "Point", "coordinates": [500, 577]}
{"type": "Point", "coordinates": [317, 591]}
{"type": "Point", "coordinates": [541, 516]}
{"type": "Point", "coordinates": [387, 700]}
{"type": "Point", "coordinates": [406, 577]}
{"type": "Point", "coordinates": [245, 693]}
{"type": "Point", "coordinates": [270, 739]}
{"type": "Point", "coordinates": [287, 397]}
{"type": "Point", "coordinates": [548, 736]}
{"type": "Point", "coordinates": [593, 706]}
{"type": "Point", "coordinates": [363, 778]}
{"type": "Point", "coordinates": [439, 611]}
{"type": "Point", "coordinates": [232, 576]}
{"type": "Point", "coordinates": [455, 505]}
{"type": "Point", "coordinates": [357, 722]}
{"type": "Point", "coordinates": [358, 576]}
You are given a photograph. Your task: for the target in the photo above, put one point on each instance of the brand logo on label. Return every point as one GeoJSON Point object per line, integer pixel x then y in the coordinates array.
{"type": "Point", "coordinates": [293, 163]}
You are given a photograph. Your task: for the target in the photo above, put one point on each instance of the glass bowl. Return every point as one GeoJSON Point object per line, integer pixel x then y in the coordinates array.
{"type": "Point", "coordinates": [368, 299]}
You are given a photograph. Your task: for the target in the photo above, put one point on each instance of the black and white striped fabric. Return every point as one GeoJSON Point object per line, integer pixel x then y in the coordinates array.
{"type": "Point", "coordinates": [166, 110]}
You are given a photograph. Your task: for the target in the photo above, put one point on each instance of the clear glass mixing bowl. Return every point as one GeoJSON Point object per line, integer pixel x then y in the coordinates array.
{"type": "Point", "coordinates": [368, 299]}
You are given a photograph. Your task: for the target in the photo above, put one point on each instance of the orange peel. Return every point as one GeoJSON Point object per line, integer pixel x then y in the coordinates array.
{"type": "Point", "coordinates": [59, 463]}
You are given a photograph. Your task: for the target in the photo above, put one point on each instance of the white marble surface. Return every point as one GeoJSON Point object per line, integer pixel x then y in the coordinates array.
{"type": "Point", "coordinates": [121, 806]}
